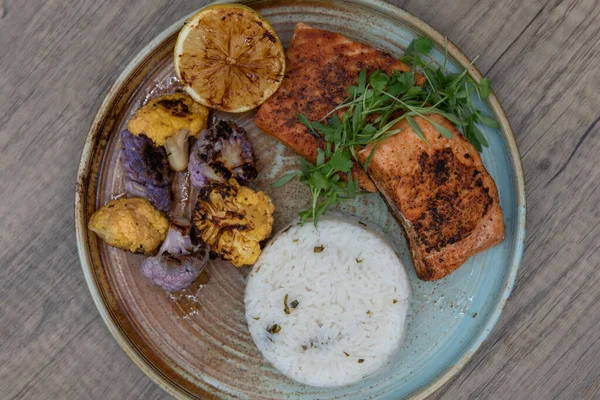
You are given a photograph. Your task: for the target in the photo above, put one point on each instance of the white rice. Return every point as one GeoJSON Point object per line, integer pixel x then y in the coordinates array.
{"type": "Point", "coordinates": [352, 299]}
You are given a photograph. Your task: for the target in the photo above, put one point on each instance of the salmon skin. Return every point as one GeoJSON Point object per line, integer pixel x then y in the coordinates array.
{"type": "Point", "coordinates": [441, 193]}
{"type": "Point", "coordinates": [320, 66]}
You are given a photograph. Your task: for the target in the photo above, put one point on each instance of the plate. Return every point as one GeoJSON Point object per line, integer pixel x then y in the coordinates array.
{"type": "Point", "coordinates": [196, 344]}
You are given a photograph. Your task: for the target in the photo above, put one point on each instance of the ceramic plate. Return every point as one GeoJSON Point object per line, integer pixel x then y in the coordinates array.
{"type": "Point", "coordinates": [196, 344]}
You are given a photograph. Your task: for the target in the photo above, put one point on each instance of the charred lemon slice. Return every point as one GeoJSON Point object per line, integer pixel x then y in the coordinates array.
{"type": "Point", "coordinates": [229, 58]}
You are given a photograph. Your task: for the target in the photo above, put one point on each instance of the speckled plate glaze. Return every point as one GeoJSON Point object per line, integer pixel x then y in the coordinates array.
{"type": "Point", "coordinates": [196, 344]}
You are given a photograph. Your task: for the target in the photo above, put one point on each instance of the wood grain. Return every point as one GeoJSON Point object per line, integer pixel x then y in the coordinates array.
{"type": "Point", "coordinates": [59, 59]}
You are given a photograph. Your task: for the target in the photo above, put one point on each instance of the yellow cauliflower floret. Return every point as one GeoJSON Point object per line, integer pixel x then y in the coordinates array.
{"type": "Point", "coordinates": [130, 224]}
{"type": "Point", "coordinates": [165, 116]}
{"type": "Point", "coordinates": [169, 121]}
{"type": "Point", "coordinates": [233, 220]}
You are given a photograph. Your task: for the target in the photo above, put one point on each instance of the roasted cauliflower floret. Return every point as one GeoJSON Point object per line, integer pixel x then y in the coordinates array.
{"type": "Point", "coordinates": [130, 224]}
{"type": "Point", "coordinates": [169, 121]}
{"type": "Point", "coordinates": [146, 171]}
{"type": "Point", "coordinates": [221, 152]}
{"type": "Point", "coordinates": [233, 220]}
{"type": "Point", "coordinates": [178, 262]}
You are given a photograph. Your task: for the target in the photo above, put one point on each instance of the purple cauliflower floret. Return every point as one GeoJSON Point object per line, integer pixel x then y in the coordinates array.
{"type": "Point", "coordinates": [222, 151]}
{"type": "Point", "coordinates": [146, 171]}
{"type": "Point", "coordinates": [178, 262]}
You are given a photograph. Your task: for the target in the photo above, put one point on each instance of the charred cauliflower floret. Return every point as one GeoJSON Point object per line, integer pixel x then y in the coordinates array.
{"type": "Point", "coordinates": [221, 152]}
{"type": "Point", "coordinates": [169, 121]}
{"type": "Point", "coordinates": [233, 220]}
{"type": "Point", "coordinates": [146, 171]}
{"type": "Point", "coordinates": [130, 224]}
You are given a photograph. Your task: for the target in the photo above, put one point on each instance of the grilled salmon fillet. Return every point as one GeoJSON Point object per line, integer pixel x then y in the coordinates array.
{"type": "Point", "coordinates": [320, 65]}
{"type": "Point", "coordinates": [442, 195]}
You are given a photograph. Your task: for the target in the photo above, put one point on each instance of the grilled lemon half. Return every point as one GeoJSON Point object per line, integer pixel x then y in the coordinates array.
{"type": "Point", "coordinates": [229, 58]}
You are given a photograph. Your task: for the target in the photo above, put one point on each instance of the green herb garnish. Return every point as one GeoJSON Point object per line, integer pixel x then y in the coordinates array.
{"type": "Point", "coordinates": [294, 304]}
{"type": "Point", "coordinates": [371, 111]}
{"type": "Point", "coordinates": [274, 329]}
{"type": "Point", "coordinates": [451, 93]}
{"type": "Point", "coordinates": [319, 249]}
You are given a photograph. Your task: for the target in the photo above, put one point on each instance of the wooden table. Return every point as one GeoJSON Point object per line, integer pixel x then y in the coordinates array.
{"type": "Point", "coordinates": [58, 60]}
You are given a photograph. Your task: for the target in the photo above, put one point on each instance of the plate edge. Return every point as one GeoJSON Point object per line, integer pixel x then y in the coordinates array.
{"type": "Point", "coordinates": [376, 5]}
